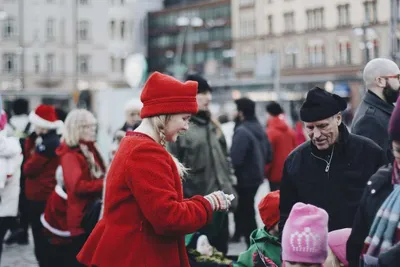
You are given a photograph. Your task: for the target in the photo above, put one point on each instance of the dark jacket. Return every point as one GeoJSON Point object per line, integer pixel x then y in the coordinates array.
{"type": "Point", "coordinates": [378, 189]}
{"type": "Point", "coordinates": [203, 150]}
{"type": "Point", "coordinates": [372, 120]}
{"type": "Point", "coordinates": [390, 258]}
{"type": "Point", "coordinates": [249, 153]}
{"type": "Point", "coordinates": [339, 189]}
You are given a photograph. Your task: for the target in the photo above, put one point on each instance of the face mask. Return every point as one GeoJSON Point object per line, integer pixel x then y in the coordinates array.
{"type": "Point", "coordinates": [390, 94]}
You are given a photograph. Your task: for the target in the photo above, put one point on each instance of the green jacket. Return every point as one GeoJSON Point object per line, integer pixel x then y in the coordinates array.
{"type": "Point", "coordinates": [203, 150]}
{"type": "Point", "coordinates": [261, 243]}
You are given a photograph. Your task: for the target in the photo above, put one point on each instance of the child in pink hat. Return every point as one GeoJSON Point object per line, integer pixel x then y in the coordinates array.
{"type": "Point", "coordinates": [337, 241]}
{"type": "Point", "coordinates": [305, 237]}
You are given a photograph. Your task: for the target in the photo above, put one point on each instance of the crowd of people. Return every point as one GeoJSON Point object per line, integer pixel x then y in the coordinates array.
{"type": "Point", "coordinates": [176, 172]}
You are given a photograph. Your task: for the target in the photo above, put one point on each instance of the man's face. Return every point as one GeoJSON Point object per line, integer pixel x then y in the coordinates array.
{"type": "Point", "coordinates": [132, 116]}
{"type": "Point", "coordinates": [391, 90]}
{"type": "Point", "coordinates": [324, 133]}
{"type": "Point", "coordinates": [204, 100]}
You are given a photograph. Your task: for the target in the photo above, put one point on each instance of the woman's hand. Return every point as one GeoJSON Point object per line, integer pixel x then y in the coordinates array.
{"type": "Point", "coordinates": [219, 200]}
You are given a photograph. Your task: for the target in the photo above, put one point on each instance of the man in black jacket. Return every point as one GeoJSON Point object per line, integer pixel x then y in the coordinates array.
{"type": "Point", "coordinates": [250, 152]}
{"type": "Point", "coordinates": [381, 77]}
{"type": "Point", "coordinates": [331, 170]}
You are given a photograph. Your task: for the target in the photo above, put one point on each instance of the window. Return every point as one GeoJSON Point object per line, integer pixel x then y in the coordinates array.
{"type": "Point", "coordinates": [112, 29]}
{"type": "Point", "coordinates": [62, 63]}
{"type": "Point", "coordinates": [50, 29]}
{"type": "Point", "coordinates": [246, 2]}
{"type": "Point", "coordinates": [122, 29]}
{"type": "Point", "coordinates": [373, 49]}
{"type": "Point", "coordinates": [248, 59]}
{"type": "Point", "coordinates": [315, 19]}
{"type": "Point", "coordinates": [291, 56]}
{"type": "Point", "coordinates": [84, 64]}
{"type": "Point", "coordinates": [62, 31]}
{"type": "Point", "coordinates": [49, 63]}
{"type": "Point", "coordinates": [270, 24]}
{"type": "Point", "coordinates": [122, 64]}
{"type": "Point", "coordinates": [84, 30]}
{"type": "Point", "coordinates": [344, 52]}
{"type": "Point", "coordinates": [370, 12]}
{"type": "Point", "coordinates": [316, 55]}
{"type": "Point", "coordinates": [247, 27]}
{"type": "Point", "coordinates": [289, 22]}
{"type": "Point", "coordinates": [343, 15]}
{"type": "Point", "coordinates": [36, 62]}
{"type": "Point", "coordinates": [112, 63]}
{"type": "Point", "coordinates": [9, 28]}
{"type": "Point", "coordinates": [9, 63]}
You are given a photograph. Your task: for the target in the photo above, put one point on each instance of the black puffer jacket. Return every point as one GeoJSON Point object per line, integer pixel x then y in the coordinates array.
{"type": "Point", "coordinates": [378, 189]}
{"type": "Point", "coordinates": [250, 152]}
{"type": "Point", "coordinates": [337, 189]}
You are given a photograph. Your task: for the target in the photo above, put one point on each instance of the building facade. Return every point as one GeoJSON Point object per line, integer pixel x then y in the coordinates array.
{"type": "Point", "coordinates": [65, 45]}
{"type": "Point", "coordinates": [196, 37]}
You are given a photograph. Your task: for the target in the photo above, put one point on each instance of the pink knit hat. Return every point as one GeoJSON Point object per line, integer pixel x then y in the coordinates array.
{"type": "Point", "coordinates": [337, 242]}
{"type": "Point", "coordinates": [305, 235]}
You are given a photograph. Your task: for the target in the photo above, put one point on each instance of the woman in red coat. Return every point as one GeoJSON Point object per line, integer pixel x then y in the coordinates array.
{"type": "Point", "coordinates": [145, 216]}
{"type": "Point", "coordinates": [83, 170]}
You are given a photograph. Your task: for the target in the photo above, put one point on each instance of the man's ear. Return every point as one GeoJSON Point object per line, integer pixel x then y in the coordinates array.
{"type": "Point", "coordinates": [381, 82]}
{"type": "Point", "coordinates": [339, 118]}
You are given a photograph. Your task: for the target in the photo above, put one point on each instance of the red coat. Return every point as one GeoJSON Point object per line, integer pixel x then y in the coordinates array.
{"type": "Point", "coordinates": [40, 172]}
{"type": "Point", "coordinates": [145, 216]}
{"type": "Point", "coordinates": [82, 188]}
{"type": "Point", "coordinates": [283, 141]}
{"type": "Point", "coordinates": [54, 218]}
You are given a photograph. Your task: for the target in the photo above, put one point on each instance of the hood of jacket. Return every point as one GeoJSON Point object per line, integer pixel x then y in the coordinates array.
{"type": "Point", "coordinates": [278, 124]}
{"type": "Point", "coordinates": [261, 235]}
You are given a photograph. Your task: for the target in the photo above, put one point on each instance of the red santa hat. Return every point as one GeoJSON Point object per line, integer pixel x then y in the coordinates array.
{"type": "Point", "coordinates": [163, 94]}
{"type": "Point", "coordinates": [45, 116]}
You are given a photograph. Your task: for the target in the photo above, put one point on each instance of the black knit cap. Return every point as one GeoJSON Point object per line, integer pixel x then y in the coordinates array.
{"type": "Point", "coordinates": [274, 108]}
{"type": "Point", "coordinates": [320, 105]}
{"type": "Point", "coordinates": [246, 106]}
{"type": "Point", "coordinates": [203, 86]}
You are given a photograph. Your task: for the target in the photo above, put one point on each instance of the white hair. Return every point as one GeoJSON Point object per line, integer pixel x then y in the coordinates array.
{"type": "Point", "coordinates": [158, 123]}
{"type": "Point", "coordinates": [378, 67]}
{"type": "Point", "coordinates": [73, 130]}
{"type": "Point", "coordinates": [133, 104]}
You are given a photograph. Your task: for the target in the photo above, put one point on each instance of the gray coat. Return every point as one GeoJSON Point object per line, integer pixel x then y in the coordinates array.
{"type": "Point", "coordinates": [203, 150]}
{"type": "Point", "coordinates": [371, 120]}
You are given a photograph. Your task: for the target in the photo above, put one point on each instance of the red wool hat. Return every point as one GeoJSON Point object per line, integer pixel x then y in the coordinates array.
{"type": "Point", "coordinates": [269, 209]}
{"type": "Point", "coordinates": [163, 94]}
{"type": "Point", "coordinates": [45, 116]}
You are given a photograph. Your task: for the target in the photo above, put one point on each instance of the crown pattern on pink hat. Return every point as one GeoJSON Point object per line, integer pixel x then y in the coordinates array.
{"type": "Point", "coordinates": [305, 241]}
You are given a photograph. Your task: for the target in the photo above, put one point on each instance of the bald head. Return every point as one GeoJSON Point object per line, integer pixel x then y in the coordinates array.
{"type": "Point", "coordinates": [376, 68]}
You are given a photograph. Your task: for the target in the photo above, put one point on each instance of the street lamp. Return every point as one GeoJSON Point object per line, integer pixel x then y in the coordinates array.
{"type": "Point", "coordinates": [188, 23]}
{"type": "Point", "coordinates": [367, 34]}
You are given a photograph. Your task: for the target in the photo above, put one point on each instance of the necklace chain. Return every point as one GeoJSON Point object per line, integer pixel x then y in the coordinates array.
{"type": "Point", "coordinates": [328, 163]}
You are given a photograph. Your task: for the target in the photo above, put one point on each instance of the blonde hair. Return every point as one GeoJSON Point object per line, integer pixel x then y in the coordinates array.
{"type": "Point", "coordinates": [158, 123]}
{"type": "Point", "coordinates": [73, 129]}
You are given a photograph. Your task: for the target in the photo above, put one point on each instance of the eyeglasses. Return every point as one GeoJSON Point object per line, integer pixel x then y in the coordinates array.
{"type": "Point", "coordinates": [397, 76]}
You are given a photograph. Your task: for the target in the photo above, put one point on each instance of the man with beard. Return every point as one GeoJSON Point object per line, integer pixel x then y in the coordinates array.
{"type": "Point", "coordinates": [332, 169]}
{"type": "Point", "coordinates": [381, 78]}
{"type": "Point", "coordinates": [203, 151]}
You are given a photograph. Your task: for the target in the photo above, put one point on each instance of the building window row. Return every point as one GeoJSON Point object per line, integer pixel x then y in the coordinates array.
{"type": "Point", "coordinates": [289, 22]}
{"type": "Point", "coordinates": [343, 15]}
{"type": "Point", "coordinates": [9, 28]}
{"type": "Point", "coordinates": [247, 27]}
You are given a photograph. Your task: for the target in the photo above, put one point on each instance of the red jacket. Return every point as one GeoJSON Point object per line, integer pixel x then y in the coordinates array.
{"type": "Point", "coordinates": [40, 172]}
{"type": "Point", "coordinates": [145, 216]}
{"type": "Point", "coordinates": [283, 141]}
{"type": "Point", "coordinates": [54, 218]}
{"type": "Point", "coordinates": [82, 188]}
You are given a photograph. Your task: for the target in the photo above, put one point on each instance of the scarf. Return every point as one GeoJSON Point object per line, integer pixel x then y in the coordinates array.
{"type": "Point", "coordinates": [385, 230]}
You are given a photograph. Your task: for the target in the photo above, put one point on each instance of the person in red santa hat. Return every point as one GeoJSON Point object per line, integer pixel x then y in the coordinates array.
{"type": "Point", "coordinates": [39, 169]}
{"type": "Point", "coordinates": [83, 170]}
{"type": "Point", "coordinates": [145, 216]}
